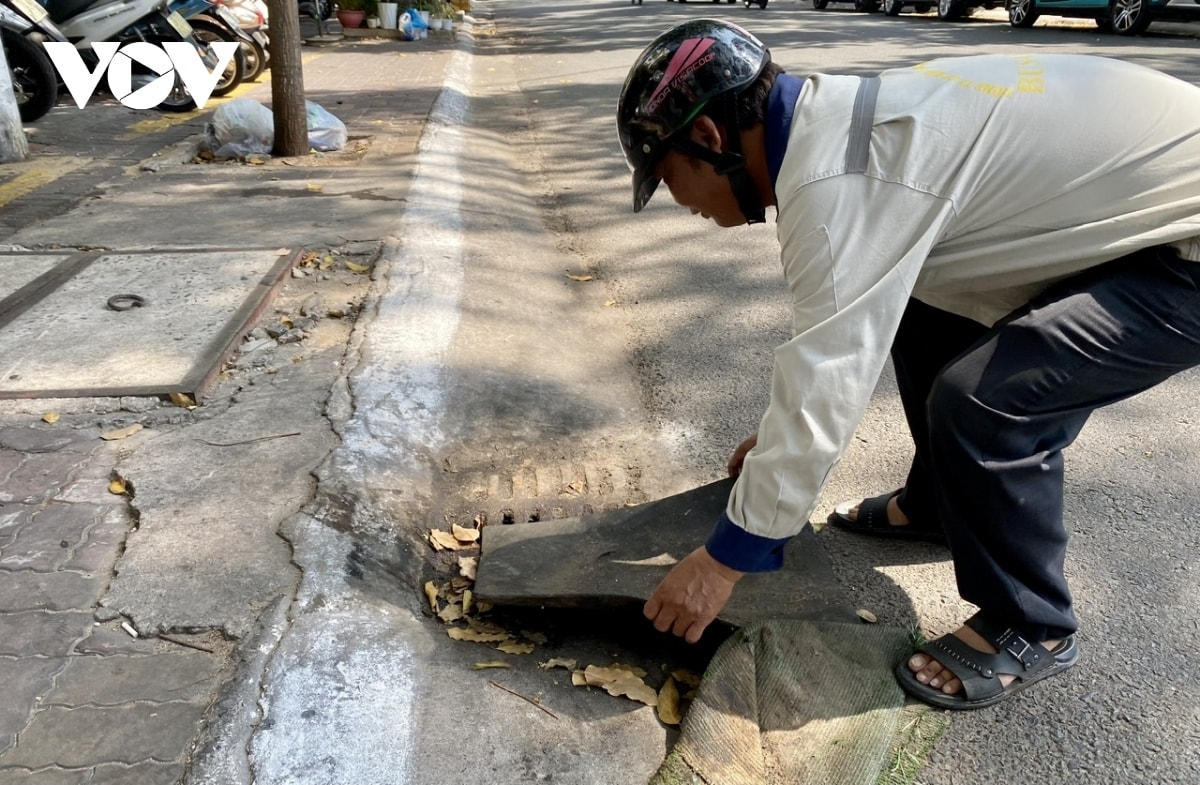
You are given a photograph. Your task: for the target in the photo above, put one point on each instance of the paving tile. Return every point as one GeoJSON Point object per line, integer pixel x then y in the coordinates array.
{"type": "Point", "coordinates": [41, 476]}
{"type": "Point", "coordinates": [51, 776]}
{"type": "Point", "coordinates": [24, 680]}
{"type": "Point", "coordinates": [91, 482]}
{"type": "Point", "coordinates": [104, 641]}
{"type": "Point", "coordinates": [9, 461]}
{"type": "Point", "coordinates": [102, 543]}
{"type": "Point", "coordinates": [13, 517]}
{"type": "Point", "coordinates": [88, 736]}
{"type": "Point", "coordinates": [46, 541]}
{"type": "Point", "coordinates": [25, 590]}
{"type": "Point", "coordinates": [40, 633]}
{"type": "Point", "coordinates": [149, 773]}
{"type": "Point", "coordinates": [111, 681]}
{"type": "Point", "coordinates": [39, 440]}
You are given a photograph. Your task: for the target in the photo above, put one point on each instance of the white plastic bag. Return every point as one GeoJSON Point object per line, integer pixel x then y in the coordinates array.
{"type": "Point", "coordinates": [325, 132]}
{"type": "Point", "coordinates": [240, 128]}
{"type": "Point", "coordinates": [244, 127]}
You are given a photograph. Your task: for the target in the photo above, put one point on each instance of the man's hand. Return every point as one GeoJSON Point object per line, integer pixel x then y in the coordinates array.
{"type": "Point", "coordinates": [739, 455]}
{"type": "Point", "coordinates": [691, 595]}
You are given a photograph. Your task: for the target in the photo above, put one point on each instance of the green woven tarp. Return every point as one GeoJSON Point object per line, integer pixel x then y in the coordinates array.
{"type": "Point", "coordinates": [793, 702]}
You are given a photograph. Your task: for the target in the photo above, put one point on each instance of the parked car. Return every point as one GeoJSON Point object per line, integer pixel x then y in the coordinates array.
{"type": "Point", "coordinates": [894, 7]}
{"type": "Point", "coordinates": [1122, 17]}
{"type": "Point", "coordinates": [950, 10]}
{"type": "Point", "coordinates": [866, 6]}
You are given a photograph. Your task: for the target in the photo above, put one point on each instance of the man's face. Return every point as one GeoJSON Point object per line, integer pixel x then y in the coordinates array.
{"type": "Point", "coordinates": [695, 185]}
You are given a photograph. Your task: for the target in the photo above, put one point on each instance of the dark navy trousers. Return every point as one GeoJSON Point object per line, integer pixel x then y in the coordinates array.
{"type": "Point", "coordinates": [992, 408]}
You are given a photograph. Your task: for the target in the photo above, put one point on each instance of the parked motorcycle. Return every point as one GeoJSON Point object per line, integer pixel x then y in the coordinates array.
{"type": "Point", "coordinates": [127, 21]}
{"type": "Point", "coordinates": [24, 25]}
{"type": "Point", "coordinates": [213, 22]}
{"type": "Point", "coordinates": [252, 17]}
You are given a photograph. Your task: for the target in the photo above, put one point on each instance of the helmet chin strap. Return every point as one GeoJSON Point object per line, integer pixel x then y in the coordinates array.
{"type": "Point", "coordinates": [731, 164]}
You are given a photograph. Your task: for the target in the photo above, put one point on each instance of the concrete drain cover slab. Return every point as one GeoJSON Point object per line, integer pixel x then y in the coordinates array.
{"type": "Point", "coordinates": [618, 558]}
{"type": "Point", "coordinates": [76, 324]}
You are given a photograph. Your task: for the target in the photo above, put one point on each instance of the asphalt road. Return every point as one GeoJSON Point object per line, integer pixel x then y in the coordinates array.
{"type": "Point", "coordinates": [697, 311]}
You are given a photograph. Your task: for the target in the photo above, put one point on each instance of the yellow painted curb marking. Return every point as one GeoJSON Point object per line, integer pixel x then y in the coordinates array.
{"type": "Point", "coordinates": [40, 173]}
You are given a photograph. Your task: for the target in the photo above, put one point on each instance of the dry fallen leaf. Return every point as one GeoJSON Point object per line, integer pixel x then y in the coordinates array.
{"type": "Point", "coordinates": [609, 303]}
{"type": "Point", "coordinates": [326, 262]}
{"type": "Point", "coordinates": [50, 417]}
{"type": "Point", "coordinates": [477, 636]}
{"type": "Point", "coordinates": [483, 606]}
{"type": "Point", "coordinates": [634, 689]}
{"type": "Point", "coordinates": [116, 485]}
{"type": "Point", "coordinates": [668, 703]}
{"type": "Point", "coordinates": [492, 664]}
{"type": "Point", "coordinates": [283, 251]}
{"type": "Point", "coordinates": [578, 679]}
{"type": "Point", "coordinates": [467, 601]}
{"type": "Point", "coordinates": [516, 647]}
{"type": "Point", "coordinates": [357, 268]}
{"type": "Point", "coordinates": [431, 591]}
{"type": "Point", "coordinates": [182, 399]}
{"type": "Point", "coordinates": [452, 612]}
{"type": "Point", "coordinates": [866, 616]}
{"type": "Point", "coordinates": [444, 541]}
{"type": "Point", "coordinates": [558, 662]}
{"type": "Point", "coordinates": [467, 565]}
{"type": "Point", "coordinates": [463, 534]}
{"type": "Point", "coordinates": [315, 187]}
{"type": "Point", "coordinates": [618, 680]}
{"type": "Point", "coordinates": [580, 278]}
{"type": "Point", "coordinates": [121, 433]}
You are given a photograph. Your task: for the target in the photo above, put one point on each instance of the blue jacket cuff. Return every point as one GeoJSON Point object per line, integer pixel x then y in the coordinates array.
{"type": "Point", "coordinates": [740, 550]}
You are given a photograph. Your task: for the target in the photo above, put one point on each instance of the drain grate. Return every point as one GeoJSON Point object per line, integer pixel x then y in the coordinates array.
{"type": "Point", "coordinates": [542, 493]}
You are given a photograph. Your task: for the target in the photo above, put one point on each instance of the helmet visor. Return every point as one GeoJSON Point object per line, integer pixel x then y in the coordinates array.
{"type": "Point", "coordinates": [644, 185]}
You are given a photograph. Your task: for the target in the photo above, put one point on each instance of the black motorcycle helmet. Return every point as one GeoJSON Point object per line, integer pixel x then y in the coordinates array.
{"type": "Point", "coordinates": [672, 81]}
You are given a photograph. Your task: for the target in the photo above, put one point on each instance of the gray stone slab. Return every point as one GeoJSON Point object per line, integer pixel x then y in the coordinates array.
{"type": "Point", "coordinates": [112, 681]}
{"type": "Point", "coordinates": [41, 634]}
{"type": "Point", "coordinates": [13, 517]}
{"type": "Point", "coordinates": [89, 736]}
{"type": "Point", "coordinates": [618, 557]}
{"type": "Point", "coordinates": [17, 270]}
{"type": "Point", "coordinates": [72, 343]}
{"type": "Point", "coordinates": [24, 680]}
{"type": "Point", "coordinates": [24, 590]}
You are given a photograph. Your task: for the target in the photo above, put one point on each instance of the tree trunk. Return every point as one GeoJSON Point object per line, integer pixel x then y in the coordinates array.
{"type": "Point", "coordinates": [287, 79]}
{"type": "Point", "coordinates": [13, 145]}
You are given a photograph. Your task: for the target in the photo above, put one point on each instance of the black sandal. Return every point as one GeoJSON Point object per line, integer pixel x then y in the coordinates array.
{"type": "Point", "coordinates": [872, 519]}
{"type": "Point", "coordinates": [980, 672]}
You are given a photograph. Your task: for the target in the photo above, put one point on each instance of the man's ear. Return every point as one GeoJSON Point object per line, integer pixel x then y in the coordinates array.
{"type": "Point", "coordinates": [707, 133]}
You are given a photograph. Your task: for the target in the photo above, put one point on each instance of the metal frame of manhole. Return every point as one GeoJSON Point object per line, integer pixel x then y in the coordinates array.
{"type": "Point", "coordinates": [203, 373]}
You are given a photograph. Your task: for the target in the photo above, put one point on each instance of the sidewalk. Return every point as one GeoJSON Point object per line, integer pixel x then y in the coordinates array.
{"type": "Point", "coordinates": [137, 575]}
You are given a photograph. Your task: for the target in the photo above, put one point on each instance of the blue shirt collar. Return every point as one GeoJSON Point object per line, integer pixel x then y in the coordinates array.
{"type": "Point", "coordinates": [780, 105]}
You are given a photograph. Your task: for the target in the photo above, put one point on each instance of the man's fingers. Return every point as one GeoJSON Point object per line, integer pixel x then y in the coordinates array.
{"type": "Point", "coordinates": [664, 620]}
{"type": "Point", "coordinates": [652, 607]}
{"type": "Point", "coordinates": [696, 630]}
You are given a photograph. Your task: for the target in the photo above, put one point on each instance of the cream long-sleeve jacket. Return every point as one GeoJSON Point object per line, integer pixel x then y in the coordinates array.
{"type": "Point", "coordinates": [968, 183]}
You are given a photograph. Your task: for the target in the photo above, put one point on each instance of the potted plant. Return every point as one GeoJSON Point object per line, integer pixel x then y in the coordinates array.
{"type": "Point", "coordinates": [352, 13]}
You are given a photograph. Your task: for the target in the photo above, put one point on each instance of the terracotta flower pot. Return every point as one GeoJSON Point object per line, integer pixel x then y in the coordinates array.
{"type": "Point", "coordinates": [351, 17]}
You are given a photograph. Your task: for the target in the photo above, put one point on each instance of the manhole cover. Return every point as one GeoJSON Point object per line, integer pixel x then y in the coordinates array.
{"type": "Point", "coordinates": [112, 323]}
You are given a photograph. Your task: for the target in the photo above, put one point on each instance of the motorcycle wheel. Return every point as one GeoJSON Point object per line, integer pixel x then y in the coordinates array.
{"type": "Point", "coordinates": [256, 60]}
{"type": "Point", "coordinates": [207, 32]}
{"type": "Point", "coordinates": [34, 80]}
